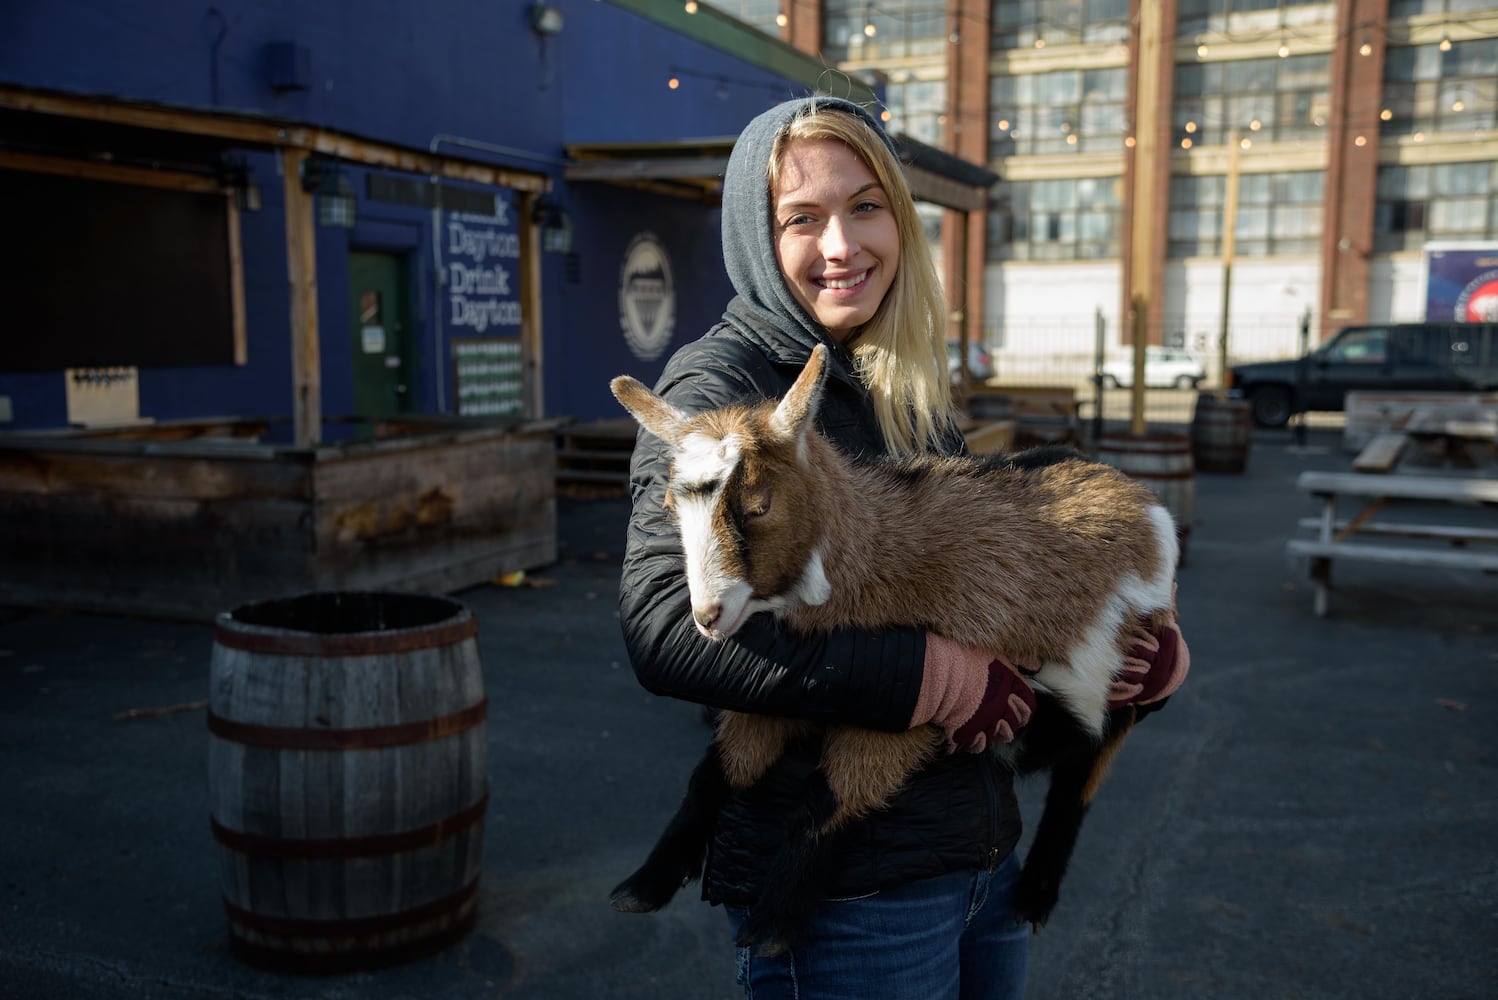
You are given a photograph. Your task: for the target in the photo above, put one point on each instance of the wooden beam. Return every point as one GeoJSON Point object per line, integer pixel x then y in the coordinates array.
{"type": "Point", "coordinates": [301, 266]}
{"type": "Point", "coordinates": [270, 134]}
{"type": "Point", "coordinates": [61, 166]}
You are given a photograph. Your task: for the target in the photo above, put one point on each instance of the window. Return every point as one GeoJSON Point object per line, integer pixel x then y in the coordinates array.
{"type": "Point", "coordinates": [1427, 90]}
{"type": "Point", "coordinates": [1069, 111]}
{"type": "Point", "coordinates": [1418, 204]}
{"type": "Point", "coordinates": [1066, 219]}
{"type": "Point", "coordinates": [756, 13]}
{"type": "Point", "coordinates": [1275, 98]}
{"type": "Point", "coordinates": [1369, 346]}
{"type": "Point", "coordinates": [1022, 24]}
{"type": "Point", "coordinates": [917, 108]}
{"type": "Point", "coordinates": [1277, 214]}
{"type": "Point", "coordinates": [1251, 19]}
{"type": "Point", "coordinates": [899, 28]}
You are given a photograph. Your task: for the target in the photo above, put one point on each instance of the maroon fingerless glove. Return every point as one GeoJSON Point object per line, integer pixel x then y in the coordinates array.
{"type": "Point", "coordinates": [1005, 707]}
{"type": "Point", "coordinates": [1154, 666]}
{"type": "Point", "coordinates": [974, 698]}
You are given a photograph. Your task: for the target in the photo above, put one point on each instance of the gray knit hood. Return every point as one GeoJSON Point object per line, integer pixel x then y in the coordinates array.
{"type": "Point", "coordinates": [748, 229]}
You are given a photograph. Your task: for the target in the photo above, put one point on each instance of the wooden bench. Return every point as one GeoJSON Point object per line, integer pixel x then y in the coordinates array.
{"type": "Point", "coordinates": [1043, 414]}
{"type": "Point", "coordinates": [1333, 534]}
{"type": "Point", "coordinates": [597, 451]}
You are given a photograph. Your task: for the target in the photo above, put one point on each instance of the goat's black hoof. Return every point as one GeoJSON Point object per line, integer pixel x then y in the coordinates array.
{"type": "Point", "coordinates": [642, 893]}
{"type": "Point", "coordinates": [763, 947]}
{"type": "Point", "coordinates": [1034, 900]}
{"type": "Point", "coordinates": [768, 937]}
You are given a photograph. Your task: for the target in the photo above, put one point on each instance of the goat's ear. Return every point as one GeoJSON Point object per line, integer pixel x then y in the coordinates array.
{"type": "Point", "coordinates": [655, 414]}
{"type": "Point", "coordinates": [793, 417]}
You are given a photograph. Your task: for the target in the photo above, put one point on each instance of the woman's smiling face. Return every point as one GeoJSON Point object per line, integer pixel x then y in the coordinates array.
{"type": "Point", "coordinates": [835, 237]}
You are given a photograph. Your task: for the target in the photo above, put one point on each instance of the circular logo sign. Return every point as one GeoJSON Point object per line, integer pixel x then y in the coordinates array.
{"type": "Point", "coordinates": [647, 299]}
{"type": "Point", "coordinates": [1478, 302]}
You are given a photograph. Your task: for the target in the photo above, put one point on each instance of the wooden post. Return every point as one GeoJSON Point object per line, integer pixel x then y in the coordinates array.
{"type": "Point", "coordinates": [1150, 157]}
{"type": "Point", "coordinates": [1229, 246]}
{"type": "Point", "coordinates": [301, 266]}
{"type": "Point", "coordinates": [530, 305]}
{"type": "Point", "coordinates": [1136, 390]}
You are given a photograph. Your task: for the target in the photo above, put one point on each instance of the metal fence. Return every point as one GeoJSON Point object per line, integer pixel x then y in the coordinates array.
{"type": "Point", "coordinates": [1068, 351]}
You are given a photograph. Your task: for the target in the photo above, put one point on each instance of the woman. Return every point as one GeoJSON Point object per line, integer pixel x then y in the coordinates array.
{"type": "Point", "coordinates": [823, 246]}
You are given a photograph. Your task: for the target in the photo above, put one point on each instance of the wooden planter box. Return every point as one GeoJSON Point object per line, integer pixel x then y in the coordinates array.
{"type": "Point", "coordinates": [189, 519]}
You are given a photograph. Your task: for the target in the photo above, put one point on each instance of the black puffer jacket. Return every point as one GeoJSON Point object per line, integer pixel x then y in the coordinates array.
{"type": "Point", "coordinates": [960, 813]}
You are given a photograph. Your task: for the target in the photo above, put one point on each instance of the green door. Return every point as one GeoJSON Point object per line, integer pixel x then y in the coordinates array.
{"type": "Point", "coordinates": [383, 363]}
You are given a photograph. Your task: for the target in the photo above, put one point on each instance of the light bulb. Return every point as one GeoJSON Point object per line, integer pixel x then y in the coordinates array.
{"type": "Point", "coordinates": [673, 83]}
{"type": "Point", "coordinates": [691, 6]}
{"type": "Point", "coordinates": [869, 30]}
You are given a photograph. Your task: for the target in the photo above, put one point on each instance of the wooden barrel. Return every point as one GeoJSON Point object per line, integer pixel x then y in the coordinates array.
{"type": "Point", "coordinates": [1163, 463]}
{"type": "Point", "coordinates": [1220, 433]}
{"type": "Point", "coordinates": [348, 777]}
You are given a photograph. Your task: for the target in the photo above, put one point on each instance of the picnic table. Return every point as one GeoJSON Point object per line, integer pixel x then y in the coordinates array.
{"type": "Point", "coordinates": [1402, 543]}
{"type": "Point", "coordinates": [1439, 437]}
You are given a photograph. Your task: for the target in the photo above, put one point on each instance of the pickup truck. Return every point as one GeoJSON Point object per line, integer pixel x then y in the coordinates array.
{"type": "Point", "coordinates": [1420, 357]}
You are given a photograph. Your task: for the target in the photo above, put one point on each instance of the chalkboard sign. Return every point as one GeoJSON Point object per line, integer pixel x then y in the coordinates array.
{"type": "Point", "coordinates": [105, 274]}
{"type": "Point", "coordinates": [490, 376]}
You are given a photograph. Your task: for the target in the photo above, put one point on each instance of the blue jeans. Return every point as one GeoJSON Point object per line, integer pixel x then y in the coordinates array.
{"type": "Point", "coordinates": [952, 937]}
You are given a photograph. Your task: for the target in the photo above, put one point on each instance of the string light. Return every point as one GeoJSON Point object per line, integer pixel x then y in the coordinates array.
{"type": "Point", "coordinates": [1360, 141]}
{"type": "Point", "coordinates": [869, 30]}
{"type": "Point", "coordinates": [1186, 143]}
{"type": "Point", "coordinates": [691, 6]}
{"type": "Point", "coordinates": [1365, 49]}
{"type": "Point", "coordinates": [673, 83]}
{"type": "Point", "coordinates": [1201, 51]}
{"type": "Point", "coordinates": [1386, 114]}
{"type": "Point", "coordinates": [781, 20]}
{"type": "Point", "coordinates": [1284, 50]}
{"type": "Point", "coordinates": [1445, 44]}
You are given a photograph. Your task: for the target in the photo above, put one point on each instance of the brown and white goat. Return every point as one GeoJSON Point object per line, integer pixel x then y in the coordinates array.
{"type": "Point", "coordinates": [1049, 564]}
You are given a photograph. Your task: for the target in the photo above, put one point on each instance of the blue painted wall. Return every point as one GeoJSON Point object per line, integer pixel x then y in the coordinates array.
{"type": "Point", "coordinates": [447, 74]}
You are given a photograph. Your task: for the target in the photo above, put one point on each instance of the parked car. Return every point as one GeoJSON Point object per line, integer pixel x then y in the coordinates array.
{"type": "Point", "coordinates": [979, 362]}
{"type": "Point", "coordinates": [1164, 367]}
{"type": "Point", "coordinates": [1418, 357]}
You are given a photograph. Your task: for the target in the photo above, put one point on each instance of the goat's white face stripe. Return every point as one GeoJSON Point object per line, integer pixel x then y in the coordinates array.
{"type": "Point", "coordinates": [704, 460]}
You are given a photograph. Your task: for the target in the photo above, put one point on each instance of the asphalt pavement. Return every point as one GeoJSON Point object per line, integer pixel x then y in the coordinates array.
{"type": "Point", "coordinates": [1314, 815]}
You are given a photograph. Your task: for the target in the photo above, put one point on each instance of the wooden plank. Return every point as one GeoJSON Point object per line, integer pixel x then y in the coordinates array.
{"type": "Point", "coordinates": [1447, 532]}
{"type": "Point", "coordinates": [1381, 454]}
{"type": "Point", "coordinates": [1408, 556]}
{"type": "Point", "coordinates": [1404, 487]}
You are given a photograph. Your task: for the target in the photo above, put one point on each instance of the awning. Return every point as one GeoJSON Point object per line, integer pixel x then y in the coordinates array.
{"type": "Point", "coordinates": [693, 168]}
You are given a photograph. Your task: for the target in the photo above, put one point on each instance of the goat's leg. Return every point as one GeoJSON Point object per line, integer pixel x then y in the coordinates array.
{"type": "Point", "coordinates": [745, 747]}
{"type": "Point", "coordinates": [792, 888]}
{"type": "Point", "coordinates": [1075, 779]}
{"type": "Point", "coordinates": [677, 856]}
{"type": "Point", "coordinates": [860, 770]}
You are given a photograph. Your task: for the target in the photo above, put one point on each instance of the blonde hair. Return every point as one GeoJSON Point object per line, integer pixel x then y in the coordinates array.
{"type": "Point", "coordinates": [899, 353]}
